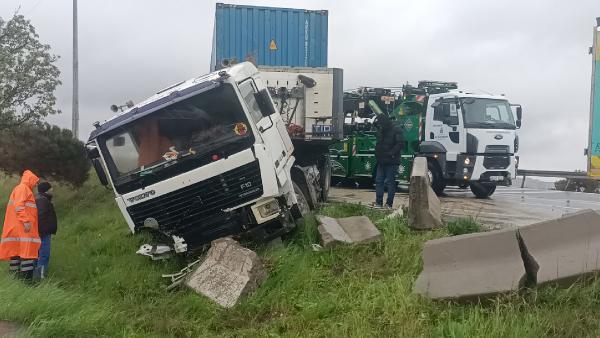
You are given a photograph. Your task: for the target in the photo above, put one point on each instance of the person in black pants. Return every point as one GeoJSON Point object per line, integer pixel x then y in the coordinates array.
{"type": "Point", "coordinates": [390, 142]}
{"type": "Point", "coordinates": [47, 226]}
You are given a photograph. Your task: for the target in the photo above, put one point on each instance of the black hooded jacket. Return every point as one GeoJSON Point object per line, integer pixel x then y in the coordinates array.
{"type": "Point", "coordinates": [47, 222]}
{"type": "Point", "coordinates": [390, 141]}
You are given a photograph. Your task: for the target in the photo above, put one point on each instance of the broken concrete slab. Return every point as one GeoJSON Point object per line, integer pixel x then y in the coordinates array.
{"type": "Point", "coordinates": [424, 207]}
{"type": "Point", "coordinates": [228, 272]}
{"type": "Point", "coordinates": [472, 265]}
{"type": "Point", "coordinates": [562, 250]}
{"type": "Point", "coordinates": [349, 230]}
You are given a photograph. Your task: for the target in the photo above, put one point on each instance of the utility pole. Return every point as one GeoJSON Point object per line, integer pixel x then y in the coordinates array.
{"type": "Point", "coordinates": [75, 127]}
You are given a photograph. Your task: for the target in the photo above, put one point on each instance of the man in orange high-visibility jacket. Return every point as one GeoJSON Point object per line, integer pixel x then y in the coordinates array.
{"type": "Point", "coordinates": [20, 241]}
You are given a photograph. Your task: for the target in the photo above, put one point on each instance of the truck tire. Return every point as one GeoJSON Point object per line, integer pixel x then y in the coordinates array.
{"type": "Point", "coordinates": [482, 190]}
{"type": "Point", "coordinates": [325, 177]}
{"type": "Point", "coordinates": [437, 179]}
{"type": "Point", "coordinates": [302, 208]}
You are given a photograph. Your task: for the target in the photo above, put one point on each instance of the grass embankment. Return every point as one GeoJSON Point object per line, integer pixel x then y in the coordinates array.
{"type": "Point", "coordinates": [99, 287]}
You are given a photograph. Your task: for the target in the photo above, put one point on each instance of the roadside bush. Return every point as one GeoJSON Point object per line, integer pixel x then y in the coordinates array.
{"type": "Point", "coordinates": [463, 226]}
{"type": "Point", "coordinates": [46, 150]}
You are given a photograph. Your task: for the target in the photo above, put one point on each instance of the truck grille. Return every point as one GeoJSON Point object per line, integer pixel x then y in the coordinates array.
{"type": "Point", "coordinates": [197, 209]}
{"type": "Point", "coordinates": [497, 149]}
{"type": "Point", "coordinates": [496, 161]}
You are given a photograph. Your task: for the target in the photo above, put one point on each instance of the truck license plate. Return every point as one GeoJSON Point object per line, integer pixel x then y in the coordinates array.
{"type": "Point", "coordinates": [496, 178]}
{"type": "Point", "coordinates": [322, 128]}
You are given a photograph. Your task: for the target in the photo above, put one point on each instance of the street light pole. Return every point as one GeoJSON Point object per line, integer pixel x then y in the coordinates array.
{"type": "Point", "coordinates": [75, 127]}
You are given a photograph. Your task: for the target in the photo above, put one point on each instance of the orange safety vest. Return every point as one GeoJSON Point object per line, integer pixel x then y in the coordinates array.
{"type": "Point", "coordinates": [20, 210]}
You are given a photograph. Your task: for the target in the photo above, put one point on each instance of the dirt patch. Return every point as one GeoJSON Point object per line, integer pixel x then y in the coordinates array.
{"type": "Point", "coordinates": [9, 329]}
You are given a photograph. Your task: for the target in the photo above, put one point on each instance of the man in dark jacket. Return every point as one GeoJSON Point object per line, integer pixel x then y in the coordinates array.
{"type": "Point", "coordinates": [47, 225]}
{"type": "Point", "coordinates": [390, 142]}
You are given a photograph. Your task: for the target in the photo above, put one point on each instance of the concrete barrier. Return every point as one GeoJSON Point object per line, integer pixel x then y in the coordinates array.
{"type": "Point", "coordinates": [472, 265]}
{"type": "Point", "coordinates": [564, 249]}
{"type": "Point", "coordinates": [424, 208]}
{"type": "Point", "coordinates": [228, 272]}
{"type": "Point", "coordinates": [349, 230]}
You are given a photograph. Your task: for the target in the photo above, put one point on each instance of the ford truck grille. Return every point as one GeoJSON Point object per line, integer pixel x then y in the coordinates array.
{"type": "Point", "coordinates": [497, 149]}
{"type": "Point", "coordinates": [496, 161]}
{"type": "Point", "coordinates": [197, 210]}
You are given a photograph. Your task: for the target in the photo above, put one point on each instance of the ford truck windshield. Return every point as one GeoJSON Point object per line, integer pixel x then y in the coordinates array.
{"type": "Point", "coordinates": [203, 128]}
{"type": "Point", "coordinates": [487, 113]}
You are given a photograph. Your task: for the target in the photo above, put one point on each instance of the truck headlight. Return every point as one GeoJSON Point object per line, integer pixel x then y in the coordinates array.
{"type": "Point", "coordinates": [467, 161]}
{"type": "Point", "coordinates": [268, 209]}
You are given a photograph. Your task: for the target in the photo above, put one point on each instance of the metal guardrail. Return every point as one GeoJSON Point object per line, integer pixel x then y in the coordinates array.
{"type": "Point", "coordinates": [549, 173]}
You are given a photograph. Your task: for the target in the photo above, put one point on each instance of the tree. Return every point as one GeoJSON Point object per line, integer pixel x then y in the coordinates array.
{"type": "Point", "coordinates": [28, 74]}
{"type": "Point", "coordinates": [46, 150]}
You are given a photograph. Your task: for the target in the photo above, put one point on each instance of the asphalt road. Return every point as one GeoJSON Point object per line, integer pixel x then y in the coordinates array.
{"type": "Point", "coordinates": [507, 207]}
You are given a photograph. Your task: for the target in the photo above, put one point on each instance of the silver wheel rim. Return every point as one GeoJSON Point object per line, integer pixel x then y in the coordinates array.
{"type": "Point", "coordinates": [302, 204]}
{"type": "Point", "coordinates": [301, 201]}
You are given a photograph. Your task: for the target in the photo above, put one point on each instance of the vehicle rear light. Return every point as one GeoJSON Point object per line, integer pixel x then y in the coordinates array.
{"type": "Point", "coordinates": [215, 157]}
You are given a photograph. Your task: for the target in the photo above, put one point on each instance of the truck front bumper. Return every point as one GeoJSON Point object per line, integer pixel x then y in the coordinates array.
{"type": "Point", "coordinates": [498, 169]}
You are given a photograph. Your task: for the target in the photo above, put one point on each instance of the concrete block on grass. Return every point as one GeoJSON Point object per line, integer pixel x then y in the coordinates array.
{"type": "Point", "coordinates": [229, 272]}
{"type": "Point", "coordinates": [424, 207]}
{"type": "Point", "coordinates": [349, 230]}
{"type": "Point", "coordinates": [564, 249]}
{"type": "Point", "coordinates": [471, 266]}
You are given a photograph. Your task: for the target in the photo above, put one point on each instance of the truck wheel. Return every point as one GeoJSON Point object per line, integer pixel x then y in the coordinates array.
{"type": "Point", "coordinates": [437, 180]}
{"type": "Point", "coordinates": [325, 177]}
{"type": "Point", "coordinates": [302, 208]}
{"type": "Point", "coordinates": [482, 190]}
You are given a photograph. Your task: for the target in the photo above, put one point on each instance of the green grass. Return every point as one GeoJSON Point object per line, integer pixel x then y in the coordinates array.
{"type": "Point", "coordinates": [99, 287]}
{"type": "Point", "coordinates": [463, 226]}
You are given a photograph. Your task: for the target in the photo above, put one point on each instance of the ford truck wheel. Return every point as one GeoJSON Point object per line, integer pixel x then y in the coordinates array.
{"type": "Point", "coordinates": [435, 177]}
{"type": "Point", "coordinates": [482, 190]}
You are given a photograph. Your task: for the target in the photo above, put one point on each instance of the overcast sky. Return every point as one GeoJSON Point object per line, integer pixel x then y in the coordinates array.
{"type": "Point", "coordinates": [535, 52]}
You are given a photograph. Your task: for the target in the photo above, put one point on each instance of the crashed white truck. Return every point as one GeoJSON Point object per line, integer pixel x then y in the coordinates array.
{"type": "Point", "coordinates": [237, 152]}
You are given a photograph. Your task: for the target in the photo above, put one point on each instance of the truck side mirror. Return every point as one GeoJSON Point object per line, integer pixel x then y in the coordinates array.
{"type": "Point", "coordinates": [92, 152]}
{"type": "Point", "coordinates": [263, 99]}
{"type": "Point", "coordinates": [519, 113]}
{"type": "Point", "coordinates": [100, 171]}
{"type": "Point", "coordinates": [518, 123]}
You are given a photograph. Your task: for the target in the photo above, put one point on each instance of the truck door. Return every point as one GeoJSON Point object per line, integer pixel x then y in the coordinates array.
{"type": "Point", "coordinates": [446, 127]}
{"type": "Point", "coordinates": [272, 128]}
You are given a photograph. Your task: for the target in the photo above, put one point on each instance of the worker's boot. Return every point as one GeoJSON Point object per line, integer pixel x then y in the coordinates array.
{"type": "Point", "coordinates": [26, 270]}
{"type": "Point", "coordinates": [14, 266]}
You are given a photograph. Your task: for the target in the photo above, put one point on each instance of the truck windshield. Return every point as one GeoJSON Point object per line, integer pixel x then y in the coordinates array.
{"type": "Point", "coordinates": [189, 128]}
{"type": "Point", "coordinates": [487, 113]}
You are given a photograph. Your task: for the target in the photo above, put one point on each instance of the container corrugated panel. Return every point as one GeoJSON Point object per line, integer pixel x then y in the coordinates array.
{"type": "Point", "coordinates": [269, 36]}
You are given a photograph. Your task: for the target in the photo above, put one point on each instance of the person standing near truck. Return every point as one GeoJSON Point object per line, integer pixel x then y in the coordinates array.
{"type": "Point", "coordinates": [20, 241]}
{"type": "Point", "coordinates": [47, 226]}
{"type": "Point", "coordinates": [390, 142]}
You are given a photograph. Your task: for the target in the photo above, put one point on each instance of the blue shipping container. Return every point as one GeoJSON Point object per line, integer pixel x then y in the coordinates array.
{"type": "Point", "coordinates": [269, 36]}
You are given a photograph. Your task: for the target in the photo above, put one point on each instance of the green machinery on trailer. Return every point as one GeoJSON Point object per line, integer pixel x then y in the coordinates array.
{"type": "Point", "coordinates": [353, 158]}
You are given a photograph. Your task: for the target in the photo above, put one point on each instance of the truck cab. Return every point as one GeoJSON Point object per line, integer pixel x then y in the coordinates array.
{"type": "Point", "coordinates": [202, 159]}
{"type": "Point", "coordinates": [471, 140]}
